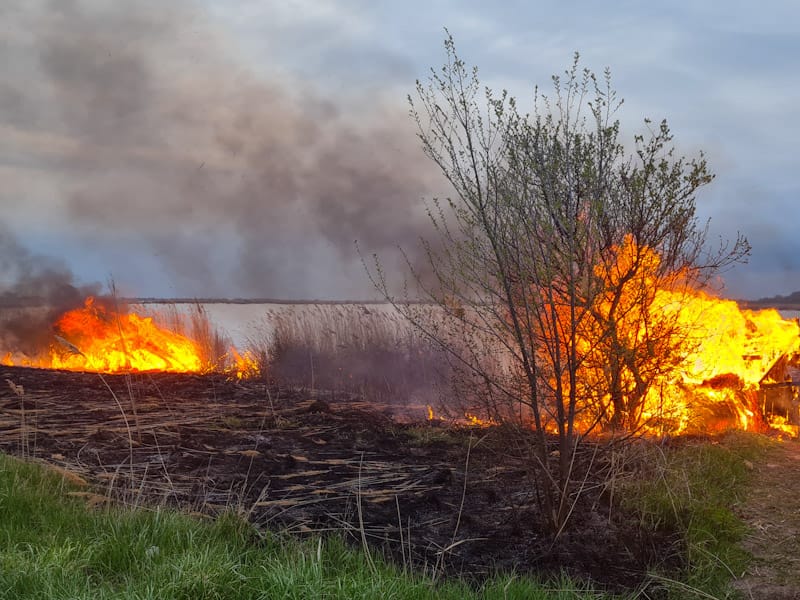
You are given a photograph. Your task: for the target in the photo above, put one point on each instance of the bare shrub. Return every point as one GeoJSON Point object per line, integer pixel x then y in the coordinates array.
{"type": "Point", "coordinates": [551, 234]}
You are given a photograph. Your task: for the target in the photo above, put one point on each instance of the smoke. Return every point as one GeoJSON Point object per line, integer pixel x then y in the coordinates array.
{"type": "Point", "coordinates": [154, 130]}
{"type": "Point", "coordinates": [34, 290]}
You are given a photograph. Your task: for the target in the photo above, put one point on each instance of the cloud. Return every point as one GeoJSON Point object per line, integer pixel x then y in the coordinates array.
{"type": "Point", "coordinates": [247, 143]}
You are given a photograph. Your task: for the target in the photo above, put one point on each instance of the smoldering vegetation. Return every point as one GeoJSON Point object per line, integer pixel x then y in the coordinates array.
{"type": "Point", "coordinates": [373, 351]}
{"type": "Point", "coordinates": [157, 133]}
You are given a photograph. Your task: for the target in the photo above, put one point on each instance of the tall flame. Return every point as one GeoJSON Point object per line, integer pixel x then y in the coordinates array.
{"type": "Point", "coordinates": [678, 347]}
{"type": "Point", "coordinates": [108, 341]}
{"type": "Point", "coordinates": [729, 352]}
{"type": "Point", "coordinates": [97, 337]}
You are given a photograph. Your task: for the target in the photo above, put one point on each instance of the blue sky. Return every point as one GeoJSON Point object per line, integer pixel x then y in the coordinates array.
{"type": "Point", "coordinates": [237, 148]}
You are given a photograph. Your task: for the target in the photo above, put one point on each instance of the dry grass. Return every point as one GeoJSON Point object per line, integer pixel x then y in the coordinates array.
{"type": "Point", "coordinates": [194, 323]}
{"type": "Point", "coordinates": [355, 348]}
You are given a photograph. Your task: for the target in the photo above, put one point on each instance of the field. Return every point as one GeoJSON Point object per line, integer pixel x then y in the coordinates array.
{"type": "Point", "coordinates": [343, 435]}
{"type": "Point", "coordinates": [442, 499]}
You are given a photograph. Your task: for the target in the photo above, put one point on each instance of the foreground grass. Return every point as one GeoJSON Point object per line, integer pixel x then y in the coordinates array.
{"type": "Point", "coordinates": [53, 546]}
{"type": "Point", "coordinates": [692, 489]}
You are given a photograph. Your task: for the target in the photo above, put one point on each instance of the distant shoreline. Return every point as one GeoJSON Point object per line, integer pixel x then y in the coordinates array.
{"type": "Point", "coordinates": [744, 304]}
{"type": "Point", "coordinates": [252, 301]}
{"type": "Point", "coordinates": [35, 302]}
{"type": "Point", "coordinates": [754, 305]}
{"type": "Point", "coordinates": [32, 302]}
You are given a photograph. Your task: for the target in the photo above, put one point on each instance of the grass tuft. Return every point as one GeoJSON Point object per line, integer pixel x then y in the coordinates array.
{"type": "Point", "coordinates": [690, 490]}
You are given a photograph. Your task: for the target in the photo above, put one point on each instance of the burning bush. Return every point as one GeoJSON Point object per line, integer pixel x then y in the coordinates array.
{"type": "Point", "coordinates": [576, 258]}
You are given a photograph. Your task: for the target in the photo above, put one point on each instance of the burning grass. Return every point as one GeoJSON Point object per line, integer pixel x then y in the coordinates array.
{"type": "Point", "coordinates": [105, 336]}
{"type": "Point", "coordinates": [733, 371]}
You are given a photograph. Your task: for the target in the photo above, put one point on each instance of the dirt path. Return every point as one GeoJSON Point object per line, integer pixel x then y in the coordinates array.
{"type": "Point", "coordinates": [772, 511]}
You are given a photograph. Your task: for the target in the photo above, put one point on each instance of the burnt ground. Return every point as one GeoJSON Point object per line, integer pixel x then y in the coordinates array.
{"type": "Point", "coordinates": [459, 498]}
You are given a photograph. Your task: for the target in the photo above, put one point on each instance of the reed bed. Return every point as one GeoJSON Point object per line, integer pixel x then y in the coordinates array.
{"type": "Point", "coordinates": [214, 345]}
{"type": "Point", "coordinates": [375, 351]}
{"type": "Point", "coordinates": [369, 349]}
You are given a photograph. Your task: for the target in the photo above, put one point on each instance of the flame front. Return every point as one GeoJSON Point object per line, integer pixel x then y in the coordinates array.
{"type": "Point", "coordinates": [107, 341]}
{"type": "Point", "coordinates": [677, 352]}
{"type": "Point", "coordinates": [729, 352]}
{"type": "Point", "coordinates": [102, 339]}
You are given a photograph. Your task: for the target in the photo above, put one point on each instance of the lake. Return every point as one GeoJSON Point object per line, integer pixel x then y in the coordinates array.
{"type": "Point", "coordinates": [243, 322]}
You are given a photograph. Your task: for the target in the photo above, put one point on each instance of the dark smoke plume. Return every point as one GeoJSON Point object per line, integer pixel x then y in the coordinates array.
{"type": "Point", "coordinates": [34, 291]}
{"type": "Point", "coordinates": [241, 183]}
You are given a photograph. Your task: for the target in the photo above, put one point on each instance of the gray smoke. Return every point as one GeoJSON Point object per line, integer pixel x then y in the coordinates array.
{"type": "Point", "coordinates": [160, 135]}
{"type": "Point", "coordinates": [34, 290]}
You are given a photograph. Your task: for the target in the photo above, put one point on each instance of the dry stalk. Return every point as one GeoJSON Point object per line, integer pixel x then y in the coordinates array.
{"type": "Point", "coordinates": [685, 587]}
{"type": "Point", "coordinates": [164, 464]}
{"type": "Point", "coordinates": [125, 419]}
{"type": "Point", "coordinates": [19, 391]}
{"type": "Point", "coordinates": [361, 518]}
{"type": "Point", "coordinates": [72, 348]}
{"type": "Point", "coordinates": [140, 493]}
{"type": "Point", "coordinates": [113, 287]}
{"type": "Point", "coordinates": [439, 566]}
{"type": "Point", "coordinates": [578, 493]}
{"type": "Point", "coordinates": [406, 564]}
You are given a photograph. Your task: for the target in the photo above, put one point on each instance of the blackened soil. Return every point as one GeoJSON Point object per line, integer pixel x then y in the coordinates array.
{"type": "Point", "coordinates": [458, 498]}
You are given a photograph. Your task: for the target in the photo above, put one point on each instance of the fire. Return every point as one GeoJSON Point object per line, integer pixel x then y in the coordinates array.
{"type": "Point", "coordinates": [729, 352]}
{"type": "Point", "coordinates": [244, 365]}
{"type": "Point", "coordinates": [469, 419]}
{"type": "Point", "coordinates": [729, 340]}
{"type": "Point", "coordinates": [680, 353]}
{"type": "Point", "coordinates": [476, 421]}
{"type": "Point", "coordinates": [100, 339]}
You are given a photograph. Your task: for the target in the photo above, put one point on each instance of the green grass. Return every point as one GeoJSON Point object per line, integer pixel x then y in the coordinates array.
{"type": "Point", "coordinates": [691, 489]}
{"type": "Point", "coordinates": [53, 546]}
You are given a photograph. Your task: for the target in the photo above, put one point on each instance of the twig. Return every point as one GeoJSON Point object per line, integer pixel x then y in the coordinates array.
{"type": "Point", "coordinates": [440, 560]}
{"type": "Point", "coordinates": [19, 391]}
{"type": "Point", "coordinates": [400, 528]}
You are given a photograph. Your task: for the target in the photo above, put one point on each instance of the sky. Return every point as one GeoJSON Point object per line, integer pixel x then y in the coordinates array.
{"type": "Point", "coordinates": [239, 148]}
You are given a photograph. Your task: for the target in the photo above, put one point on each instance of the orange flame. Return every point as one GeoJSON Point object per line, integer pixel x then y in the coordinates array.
{"type": "Point", "coordinates": [100, 339]}
{"type": "Point", "coordinates": [245, 366]}
{"type": "Point", "coordinates": [681, 348]}
{"type": "Point", "coordinates": [476, 421]}
{"type": "Point", "coordinates": [95, 338]}
{"type": "Point", "coordinates": [729, 350]}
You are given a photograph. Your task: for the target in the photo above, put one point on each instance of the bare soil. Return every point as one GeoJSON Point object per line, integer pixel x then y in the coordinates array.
{"type": "Point", "coordinates": [772, 513]}
{"type": "Point", "coordinates": [427, 494]}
